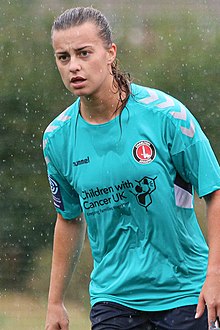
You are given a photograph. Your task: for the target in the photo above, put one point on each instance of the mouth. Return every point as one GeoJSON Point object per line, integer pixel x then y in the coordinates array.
{"type": "Point", "coordinates": [77, 81]}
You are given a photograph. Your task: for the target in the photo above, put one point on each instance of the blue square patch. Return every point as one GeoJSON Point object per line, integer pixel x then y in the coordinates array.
{"type": "Point", "coordinates": [55, 189]}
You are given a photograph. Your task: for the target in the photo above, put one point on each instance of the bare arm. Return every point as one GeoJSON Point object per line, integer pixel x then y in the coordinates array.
{"type": "Point", "coordinates": [210, 294]}
{"type": "Point", "coordinates": [68, 242]}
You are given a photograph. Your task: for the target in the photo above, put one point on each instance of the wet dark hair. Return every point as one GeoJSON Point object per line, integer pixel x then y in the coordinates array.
{"type": "Point", "coordinates": [80, 15]}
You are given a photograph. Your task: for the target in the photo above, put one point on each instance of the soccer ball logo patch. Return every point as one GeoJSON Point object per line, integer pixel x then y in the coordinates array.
{"type": "Point", "coordinates": [143, 191]}
{"type": "Point", "coordinates": [144, 152]}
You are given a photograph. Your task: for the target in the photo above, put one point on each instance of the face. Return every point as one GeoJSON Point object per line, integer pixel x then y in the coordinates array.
{"type": "Point", "coordinates": [83, 61]}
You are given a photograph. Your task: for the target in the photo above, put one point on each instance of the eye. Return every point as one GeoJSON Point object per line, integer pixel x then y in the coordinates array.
{"type": "Point", "coordinates": [84, 53]}
{"type": "Point", "coordinates": [63, 57]}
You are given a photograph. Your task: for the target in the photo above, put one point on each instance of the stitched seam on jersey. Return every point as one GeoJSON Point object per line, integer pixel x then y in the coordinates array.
{"type": "Point", "coordinates": [191, 145]}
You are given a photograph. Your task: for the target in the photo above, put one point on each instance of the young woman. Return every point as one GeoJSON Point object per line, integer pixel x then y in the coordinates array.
{"type": "Point", "coordinates": [125, 159]}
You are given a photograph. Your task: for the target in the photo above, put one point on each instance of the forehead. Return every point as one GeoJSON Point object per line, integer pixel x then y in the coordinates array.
{"type": "Point", "coordinates": [76, 36]}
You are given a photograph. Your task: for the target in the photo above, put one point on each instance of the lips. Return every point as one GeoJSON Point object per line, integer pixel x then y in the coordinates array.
{"type": "Point", "coordinates": [77, 80]}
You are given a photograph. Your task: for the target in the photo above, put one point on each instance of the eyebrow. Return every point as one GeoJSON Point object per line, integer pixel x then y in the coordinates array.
{"type": "Point", "coordinates": [76, 50]}
{"type": "Point", "coordinates": [81, 48]}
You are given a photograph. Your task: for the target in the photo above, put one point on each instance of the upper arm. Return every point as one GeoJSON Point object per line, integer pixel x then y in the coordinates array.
{"type": "Point", "coordinates": [215, 195]}
{"type": "Point", "coordinates": [73, 229]}
{"type": "Point", "coordinates": [80, 219]}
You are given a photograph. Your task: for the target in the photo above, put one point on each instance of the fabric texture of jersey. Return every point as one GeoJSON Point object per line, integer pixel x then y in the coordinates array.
{"type": "Point", "coordinates": [133, 178]}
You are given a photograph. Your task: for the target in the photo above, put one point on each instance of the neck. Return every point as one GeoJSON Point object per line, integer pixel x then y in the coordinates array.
{"type": "Point", "coordinates": [99, 110]}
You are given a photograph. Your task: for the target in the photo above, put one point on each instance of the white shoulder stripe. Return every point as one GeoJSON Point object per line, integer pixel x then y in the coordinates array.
{"type": "Point", "coordinates": [63, 117]}
{"type": "Point", "coordinates": [45, 143]}
{"type": "Point", "coordinates": [180, 114]}
{"type": "Point", "coordinates": [51, 128]}
{"type": "Point", "coordinates": [47, 160]}
{"type": "Point", "coordinates": [168, 103]}
{"type": "Point", "coordinates": [151, 98]}
{"type": "Point", "coordinates": [189, 131]}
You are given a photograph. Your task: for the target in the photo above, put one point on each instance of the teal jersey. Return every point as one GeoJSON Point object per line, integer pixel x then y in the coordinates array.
{"type": "Point", "coordinates": [134, 179]}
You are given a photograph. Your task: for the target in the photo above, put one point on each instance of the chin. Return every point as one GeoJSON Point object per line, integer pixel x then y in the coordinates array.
{"type": "Point", "coordinates": [76, 92]}
{"type": "Point", "coordinates": [80, 92]}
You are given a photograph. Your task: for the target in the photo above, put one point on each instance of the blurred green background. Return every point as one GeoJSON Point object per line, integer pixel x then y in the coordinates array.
{"type": "Point", "coordinates": [170, 45]}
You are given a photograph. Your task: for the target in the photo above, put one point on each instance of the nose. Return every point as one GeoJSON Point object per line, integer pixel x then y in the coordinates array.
{"type": "Point", "coordinates": [74, 64]}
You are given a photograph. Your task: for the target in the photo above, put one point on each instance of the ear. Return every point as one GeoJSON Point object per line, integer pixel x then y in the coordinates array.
{"type": "Point", "coordinates": [112, 51]}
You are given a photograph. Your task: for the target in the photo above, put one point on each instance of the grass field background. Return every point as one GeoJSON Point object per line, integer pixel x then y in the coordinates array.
{"type": "Point", "coordinates": [24, 312]}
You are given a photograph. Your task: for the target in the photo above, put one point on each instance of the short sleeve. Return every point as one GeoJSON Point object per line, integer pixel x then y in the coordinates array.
{"type": "Point", "coordinates": [192, 154]}
{"type": "Point", "coordinates": [66, 200]}
{"type": "Point", "coordinates": [198, 165]}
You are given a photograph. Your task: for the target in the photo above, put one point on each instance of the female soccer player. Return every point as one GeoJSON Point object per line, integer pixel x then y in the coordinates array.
{"type": "Point", "coordinates": [125, 160]}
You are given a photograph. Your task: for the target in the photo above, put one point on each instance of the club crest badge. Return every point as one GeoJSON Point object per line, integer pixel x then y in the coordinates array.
{"type": "Point", "coordinates": [144, 152]}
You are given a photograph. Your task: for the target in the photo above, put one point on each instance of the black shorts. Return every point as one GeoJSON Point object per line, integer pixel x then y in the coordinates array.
{"type": "Point", "coordinates": [110, 316]}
